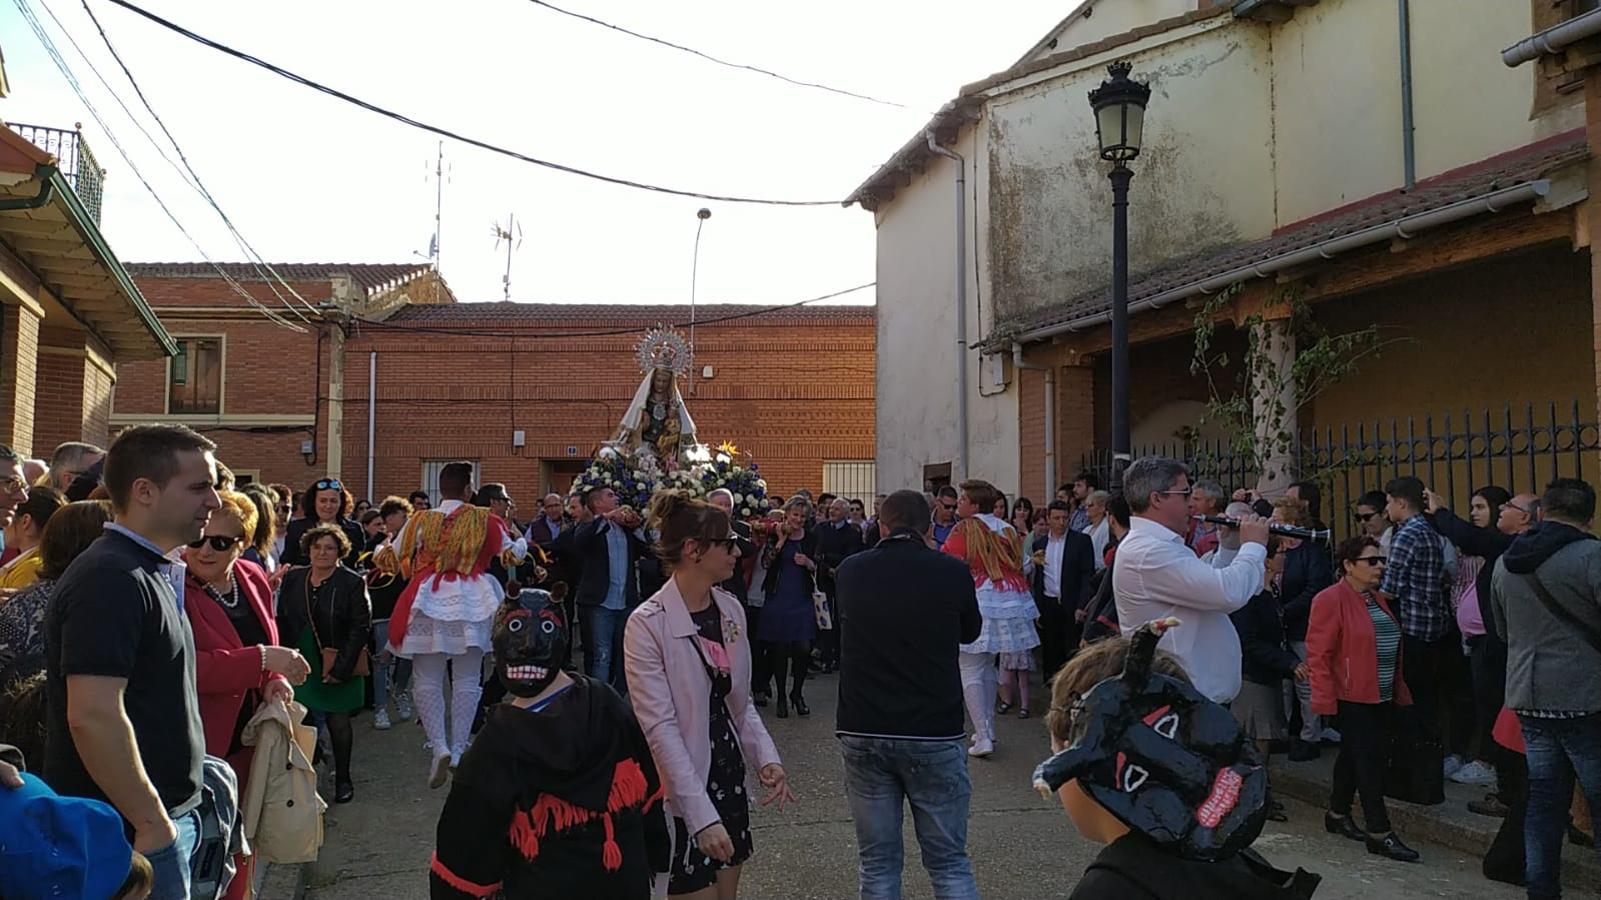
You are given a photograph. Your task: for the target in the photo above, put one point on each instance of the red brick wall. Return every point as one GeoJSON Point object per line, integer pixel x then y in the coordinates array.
{"type": "Point", "coordinates": [19, 348]}
{"type": "Point", "coordinates": [58, 401]}
{"type": "Point", "coordinates": [97, 390]}
{"type": "Point", "coordinates": [793, 395]}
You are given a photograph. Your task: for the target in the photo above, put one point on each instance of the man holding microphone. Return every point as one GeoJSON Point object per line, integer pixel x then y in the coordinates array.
{"type": "Point", "coordinates": [1155, 575]}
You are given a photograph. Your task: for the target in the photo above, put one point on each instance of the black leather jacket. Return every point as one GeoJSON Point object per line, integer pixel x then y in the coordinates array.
{"type": "Point", "coordinates": [344, 621]}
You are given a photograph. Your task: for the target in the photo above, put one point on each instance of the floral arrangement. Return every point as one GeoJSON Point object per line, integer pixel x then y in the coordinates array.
{"type": "Point", "coordinates": [703, 471]}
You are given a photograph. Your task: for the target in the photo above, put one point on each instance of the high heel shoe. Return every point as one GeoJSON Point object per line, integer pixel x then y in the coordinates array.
{"type": "Point", "coordinates": [1343, 826]}
{"type": "Point", "coordinates": [801, 709]}
{"type": "Point", "coordinates": [783, 706]}
{"type": "Point", "coordinates": [1390, 845]}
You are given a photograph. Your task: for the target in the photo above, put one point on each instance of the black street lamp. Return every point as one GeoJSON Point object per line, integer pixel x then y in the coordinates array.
{"type": "Point", "coordinates": [1119, 105]}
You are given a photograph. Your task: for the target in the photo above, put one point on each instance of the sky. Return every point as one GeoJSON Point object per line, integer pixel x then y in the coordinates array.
{"type": "Point", "coordinates": [308, 178]}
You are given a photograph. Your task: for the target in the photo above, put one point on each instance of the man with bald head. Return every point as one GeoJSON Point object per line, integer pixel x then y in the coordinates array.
{"type": "Point", "coordinates": [1487, 649]}
{"type": "Point", "coordinates": [544, 529]}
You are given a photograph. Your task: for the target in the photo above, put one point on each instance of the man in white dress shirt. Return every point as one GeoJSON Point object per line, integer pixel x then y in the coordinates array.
{"type": "Point", "coordinates": [1155, 575]}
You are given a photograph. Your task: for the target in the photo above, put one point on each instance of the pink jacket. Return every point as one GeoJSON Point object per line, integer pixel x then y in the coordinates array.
{"type": "Point", "coordinates": [671, 695]}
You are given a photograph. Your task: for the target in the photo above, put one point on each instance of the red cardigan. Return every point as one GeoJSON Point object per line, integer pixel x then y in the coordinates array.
{"type": "Point", "coordinates": [1342, 651]}
{"type": "Point", "coordinates": [225, 669]}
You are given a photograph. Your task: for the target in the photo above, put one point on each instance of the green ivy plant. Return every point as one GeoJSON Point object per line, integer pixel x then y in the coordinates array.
{"type": "Point", "coordinates": [1322, 359]}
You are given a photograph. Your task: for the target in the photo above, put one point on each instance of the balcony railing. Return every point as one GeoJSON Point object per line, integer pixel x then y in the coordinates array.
{"type": "Point", "coordinates": [73, 156]}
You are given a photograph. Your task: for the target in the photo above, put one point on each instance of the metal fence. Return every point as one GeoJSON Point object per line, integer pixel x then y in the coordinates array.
{"type": "Point", "coordinates": [74, 158]}
{"type": "Point", "coordinates": [1454, 455]}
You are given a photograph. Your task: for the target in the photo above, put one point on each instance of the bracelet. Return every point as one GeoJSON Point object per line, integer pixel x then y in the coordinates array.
{"type": "Point", "coordinates": [263, 649]}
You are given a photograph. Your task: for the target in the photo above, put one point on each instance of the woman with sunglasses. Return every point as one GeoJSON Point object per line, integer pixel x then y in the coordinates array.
{"type": "Point", "coordinates": [1354, 663]}
{"type": "Point", "coordinates": [687, 654]}
{"type": "Point", "coordinates": [324, 610]}
{"type": "Point", "coordinates": [326, 502]}
{"type": "Point", "coordinates": [238, 663]}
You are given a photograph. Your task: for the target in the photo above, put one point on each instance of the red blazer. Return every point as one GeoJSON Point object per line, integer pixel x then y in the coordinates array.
{"type": "Point", "coordinates": [1343, 653]}
{"type": "Point", "coordinates": [225, 669]}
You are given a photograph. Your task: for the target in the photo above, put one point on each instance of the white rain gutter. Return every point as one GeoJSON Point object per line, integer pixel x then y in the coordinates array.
{"type": "Point", "coordinates": [1553, 39]}
{"type": "Point", "coordinates": [1404, 227]}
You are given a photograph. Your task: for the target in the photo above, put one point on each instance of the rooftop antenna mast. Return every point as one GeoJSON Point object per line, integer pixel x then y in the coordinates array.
{"type": "Point", "coordinates": [440, 173]}
{"type": "Point", "coordinates": [512, 234]}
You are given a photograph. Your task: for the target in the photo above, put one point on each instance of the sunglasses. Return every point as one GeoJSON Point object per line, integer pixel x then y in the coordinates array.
{"type": "Point", "coordinates": [951, 506]}
{"type": "Point", "coordinates": [1364, 517]}
{"type": "Point", "coordinates": [1373, 560]}
{"type": "Point", "coordinates": [218, 542]}
{"type": "Point", "coordinates": [728, 543]}
{"type": "Point", "coordinates": [328, 484]}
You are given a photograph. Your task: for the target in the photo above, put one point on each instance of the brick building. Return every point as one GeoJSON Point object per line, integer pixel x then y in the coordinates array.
{"type": "Point", "coordinates": [792, 385]}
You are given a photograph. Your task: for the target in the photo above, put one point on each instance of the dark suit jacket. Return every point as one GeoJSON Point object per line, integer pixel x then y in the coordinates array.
{"type": "Point", "coordinates": [1077, 564]}
{"type": "Point", "coordinates": [833, 546]}
{"type": "Point", "coordinates": [589, 545]}
{"type": "Point", "coordinates": [808, 550]}
{"type": "Point", "coordinates": [1307, 571]}
{"type": "Point", "coordinates": [736, 585]}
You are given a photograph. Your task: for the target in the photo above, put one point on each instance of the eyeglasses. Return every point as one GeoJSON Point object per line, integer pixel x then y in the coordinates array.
{"type": "Point", "coordinates": [1373, 560]}
{"type": "Point", "coordinates": [1510, 505]}
{"type": "Point", "coordinates": [1177, 493]}
{"type": "Point", "coordinates": [218, 542]}
{"type": "Point", "coordinates": [328, 484]}
{"type": "Point", "coordinates": [14, 486]}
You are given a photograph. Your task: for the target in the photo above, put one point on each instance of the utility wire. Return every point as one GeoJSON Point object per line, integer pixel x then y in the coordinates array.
{"type": "Point", "coordinates": [709, 58]}
{"type": "Point", "coordinates": [262, 267]}
{"type": "Point", "coordinates": [66, 72]}
{"type": "Point", "coordinates": [612, 332]}
{"type": "Point", "coordinates": [444, 132]}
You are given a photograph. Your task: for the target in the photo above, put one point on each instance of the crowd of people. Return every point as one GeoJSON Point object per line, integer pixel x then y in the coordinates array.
{"type": "Point", "coordinates": [591, 681]}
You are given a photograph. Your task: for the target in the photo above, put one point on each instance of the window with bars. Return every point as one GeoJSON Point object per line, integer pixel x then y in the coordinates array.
{"type": "Point", "coordinates": [851, 479]}
{"type": "Point", "coordinates": [194, 376]}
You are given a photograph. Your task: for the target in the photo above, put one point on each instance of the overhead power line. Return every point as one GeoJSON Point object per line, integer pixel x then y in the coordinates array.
{"type": "Point", "coordinates": [260, 264]}
{"type": "Point", "coordinates": [445, 132]}
{"type": "Point", "coordinates": [710, 58]}
{"type": "Point", "coordinates": [66, 72]}
{"type": "Point", "coordinates": [612, 332]}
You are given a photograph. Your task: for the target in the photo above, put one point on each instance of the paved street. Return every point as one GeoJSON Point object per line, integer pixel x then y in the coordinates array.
{"type": "Point", "coordinates": [1022, 847]}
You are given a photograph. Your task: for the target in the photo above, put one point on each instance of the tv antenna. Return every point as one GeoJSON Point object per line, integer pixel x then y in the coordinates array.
{"type": "Point", "coordinates": [512, 234]}
{"type": "Point", "coordinates": [441, 174]}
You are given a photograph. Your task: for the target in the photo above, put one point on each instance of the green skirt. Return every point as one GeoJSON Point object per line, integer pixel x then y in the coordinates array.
{"type": "Point", "coordinates": [348, 696]}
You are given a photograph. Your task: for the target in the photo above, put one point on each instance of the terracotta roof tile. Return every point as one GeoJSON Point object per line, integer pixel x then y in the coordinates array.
{"type": "Point", "coordinates": [469, 315]}
{"type": "Point", "coordinates": [1505, 170]}
{"type": "Point", "coordinates": [371, 276]}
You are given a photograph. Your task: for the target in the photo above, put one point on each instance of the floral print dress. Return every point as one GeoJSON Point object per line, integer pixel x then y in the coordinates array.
{"type": "Point", "coordinates": [725, 781]}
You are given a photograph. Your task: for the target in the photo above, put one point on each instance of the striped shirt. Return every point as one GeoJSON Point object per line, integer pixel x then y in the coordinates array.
{"type": "Point", "coordinates": [1387, 637]}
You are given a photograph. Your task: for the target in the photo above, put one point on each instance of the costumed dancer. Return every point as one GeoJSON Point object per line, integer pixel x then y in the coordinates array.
{"type": "Point", "coordinates": [447, 611]}
{"type": "Point", "coordinates": [558, 796]}
{"type": "Point", "coordinates": [1148, 766]}
{"type": "Point", "coordinates": [993, 550]}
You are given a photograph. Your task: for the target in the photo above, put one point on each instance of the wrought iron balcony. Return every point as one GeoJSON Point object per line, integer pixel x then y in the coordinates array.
{"type": "Point", "coordinates": [72, 155]}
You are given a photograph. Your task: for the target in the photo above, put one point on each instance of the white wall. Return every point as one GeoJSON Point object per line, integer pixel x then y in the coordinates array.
{"type": "Point", "coordinates": [1098, 19]}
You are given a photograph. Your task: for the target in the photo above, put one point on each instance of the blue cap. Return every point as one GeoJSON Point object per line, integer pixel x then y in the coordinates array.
{"type": "Point", "coordinates": [53, 846]}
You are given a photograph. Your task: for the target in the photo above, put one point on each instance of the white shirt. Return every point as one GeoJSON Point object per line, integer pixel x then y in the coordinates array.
{"type": "Point", "coordinates": [1099, 535]}
{"type": "Point", "coordinates": [1155, 575]}
{"type": "Point", "coordinates": [1054, 547]}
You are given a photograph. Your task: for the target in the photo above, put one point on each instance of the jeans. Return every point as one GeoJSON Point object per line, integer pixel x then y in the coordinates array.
{"type": "Point", "coordinates": [1558, 749]}
{"type": "Point", "coordinates": [1300, 693]}
{"type": "Point", "coordinates": [881, 774]}
{"type": "Point", "coordinates": [382, 660]}
{"type": "Point", "coordinates": [605, 659]}
{"type": "Point", "coordinates": [173, 865]}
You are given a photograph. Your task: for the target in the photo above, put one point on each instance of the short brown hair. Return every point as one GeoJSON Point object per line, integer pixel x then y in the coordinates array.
{"type": "Point", "coordinates": [42, 503]}
{"type": "Point", "coordinates": [313, 535]}
{"type": "Point", "coordinates": [70, 532]}
{"type": "Point", "coordinates": [150, 452]}
{"type": "Point", "coordinates": [392, 505]}
{"type": "Point", "coordinates": [1351, 548]}
{"type": "Point", "coordinates": [1094, 664]}
{"type": "Point", "coordinates": [678, 517]}
{"type": "Point", "coordinates": [981, 494]}
{"type": "Point", "coordinates": [266, 528]}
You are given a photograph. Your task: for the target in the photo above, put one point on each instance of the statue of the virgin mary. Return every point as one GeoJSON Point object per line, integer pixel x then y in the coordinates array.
{"type": "Point", "coordinates": [656, 426]}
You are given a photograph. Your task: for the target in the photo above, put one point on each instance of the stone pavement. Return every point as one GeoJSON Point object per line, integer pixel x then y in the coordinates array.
{"type": "Point", "coordinates": [1023, 848]}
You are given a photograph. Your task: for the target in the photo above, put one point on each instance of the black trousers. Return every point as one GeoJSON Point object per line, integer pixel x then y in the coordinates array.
{"type": "Point", "coordinates": [1365, 732]}
{"type": "Point", "coordinates": [761, 673]}
{"type": "Point", "coordinates": [1424, 669]}
{"type": "Point", "coordinates": [1487, 659]}
{"type": "Point", "coordinates": [1053, 627]}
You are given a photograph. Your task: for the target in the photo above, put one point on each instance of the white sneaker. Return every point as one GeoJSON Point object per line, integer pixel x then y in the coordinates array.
{"type": "Point", "coordinates": [440, 772]}
{"type": "Point", "coordinates": [1453, 764]}
{"type": "Point", "coordinates": [403, 707]}
{"type": "Point", "coordinates": [981, 748]}
{"type": "Point", "coordinates": [1474, 772]}
{"type": "Point", "coordinates": [380, 719]}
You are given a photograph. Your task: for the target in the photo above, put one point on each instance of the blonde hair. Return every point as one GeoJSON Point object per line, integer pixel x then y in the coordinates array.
{"type": "Point", "coordinates": [241, 507]}
{"type": "Point", "coordinates": [1292, 511]}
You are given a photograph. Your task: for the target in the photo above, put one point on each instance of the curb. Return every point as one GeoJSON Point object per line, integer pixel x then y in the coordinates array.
{"type": "Point", "coordinates": [1309, 784]}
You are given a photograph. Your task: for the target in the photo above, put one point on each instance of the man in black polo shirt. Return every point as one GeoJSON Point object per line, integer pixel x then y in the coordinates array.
{"type": "Point", "coordinates": [123, 721]}
{"type": "Point", "coordinates": [904, 608]}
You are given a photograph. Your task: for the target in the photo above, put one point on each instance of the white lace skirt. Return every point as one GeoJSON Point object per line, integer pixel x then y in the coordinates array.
{"type": "Point", "coordinates": [1015, 635]}
{"type": "Point", "coordinates": [452, 638]}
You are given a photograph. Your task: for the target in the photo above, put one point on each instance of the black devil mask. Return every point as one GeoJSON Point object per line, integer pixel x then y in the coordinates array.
{"type": "Point", "coordinates": [1164, 759]}
{"type": "Point", "coordinates": [530, 643]}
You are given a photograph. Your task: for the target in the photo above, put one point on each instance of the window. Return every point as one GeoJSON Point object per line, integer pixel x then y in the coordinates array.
{"type": "Point", "coordinates": [194, 376]}
{"type": "Point", "coordinates": [851, 479]}
{"type": "Point", "coordinates": [430, 476]}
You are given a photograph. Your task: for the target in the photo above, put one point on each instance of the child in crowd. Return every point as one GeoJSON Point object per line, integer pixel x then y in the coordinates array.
{"type": "Point", "coordinates": [1162, 776]}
